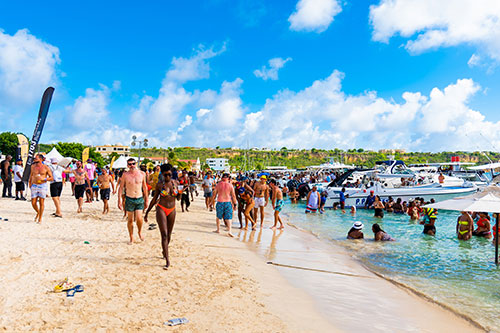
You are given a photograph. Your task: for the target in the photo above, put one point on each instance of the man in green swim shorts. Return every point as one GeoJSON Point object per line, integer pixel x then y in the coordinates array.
{"type": "Point", "coordinates": [133, 182]}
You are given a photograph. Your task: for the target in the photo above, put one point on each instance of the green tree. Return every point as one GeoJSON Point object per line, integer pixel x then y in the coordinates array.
{"type": "Point", "coordinates": [8, 143]}
{"type": "Point", "coordinates": [74, 150]}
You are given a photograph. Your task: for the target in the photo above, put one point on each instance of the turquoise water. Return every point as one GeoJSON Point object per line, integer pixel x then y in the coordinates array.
{"type": "Point", "coordinates": [460, 274]}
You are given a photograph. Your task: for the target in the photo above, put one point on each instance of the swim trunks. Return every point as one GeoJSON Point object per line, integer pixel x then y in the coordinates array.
{"type": "Point", "coordinates": [19, 186]}
{"type": "Point", "coordinates": [133, 204]}
{"type": "Point", "coordinates": [428, 228]}
{"type": "Point", "coordinates": [56, 189]}
{"type": "Point", "coordinates": [80, 190]}
{"type": "Point", "coordinates": [105, 192]}
{"type": "Point", "coordinates": [260, 202]}
{"type": "Point", "coordinates": [39, 191]}
{"type": "Point", "coordinates": [224, 210]}
{"type": "Point", "coordinates": [279, 205]}
{"type": "Point", "coordinates": [311, 210]}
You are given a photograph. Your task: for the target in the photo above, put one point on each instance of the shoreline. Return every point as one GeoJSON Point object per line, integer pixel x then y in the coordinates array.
{"type": "Point", "coordinates": [319, 261]}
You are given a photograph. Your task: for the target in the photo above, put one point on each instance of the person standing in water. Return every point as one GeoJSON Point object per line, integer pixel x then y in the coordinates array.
{"type": "Point", "coordinates": [165, 194]}
{"type": "Point", "coordinates": [261, 198]}
{"type": "Point", "coordinates": [313, 200]}
{"type": "Point", "coordinates": [465, 226]}
{"type": "Point", "coordinates": [429, 220]}
{"type": "Point", "coordinates": [483, 226]}
{"type": "Point", "coordinates": [379, 207]}
{"type": "Point", "coordinates": [277, 201]}
{"type": "Point", "coordinates": [38, 183]}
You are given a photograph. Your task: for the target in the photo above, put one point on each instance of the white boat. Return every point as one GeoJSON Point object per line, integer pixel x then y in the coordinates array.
{"type": "Point", "coordinates": [357, 196]}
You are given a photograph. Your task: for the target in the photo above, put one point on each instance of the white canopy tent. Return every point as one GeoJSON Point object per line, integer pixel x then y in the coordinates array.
{"type": "Point", "coordinates": [121, 162]}
{"type": "Point", "coordinates": [487, 200]}
{"type": "Point", "coordinates": [54, 154]}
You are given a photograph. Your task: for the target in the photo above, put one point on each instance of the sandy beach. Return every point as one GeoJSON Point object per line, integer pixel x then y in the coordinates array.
{"type": "Point", "coordinates": [219, 284]}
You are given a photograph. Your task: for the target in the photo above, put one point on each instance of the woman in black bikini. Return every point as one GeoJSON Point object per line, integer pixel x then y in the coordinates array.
{"type": "Point", "coordinates": [165, 195]}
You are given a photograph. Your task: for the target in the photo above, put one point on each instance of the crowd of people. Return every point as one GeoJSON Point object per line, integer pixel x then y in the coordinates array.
{"type": "Point", "coordinates": [247, 194]}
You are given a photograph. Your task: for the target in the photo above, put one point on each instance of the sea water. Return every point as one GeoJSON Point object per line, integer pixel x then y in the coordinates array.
{"type": "Point", "coordinates": [459, 274]}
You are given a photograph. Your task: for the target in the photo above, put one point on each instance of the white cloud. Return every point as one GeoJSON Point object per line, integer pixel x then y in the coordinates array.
{"type": "Point", "coordinates": [27, 68]}
{"type": "Point", "coordinates": [92, 109]}
{"type": "Point", "coordinates": [173, 98]}
{"type": "Point", "coordinates": [431, 24]}
{"type": "Point", "coordinates": [271, 72]}
{"type": "Point", "coordinates": [314, 15]}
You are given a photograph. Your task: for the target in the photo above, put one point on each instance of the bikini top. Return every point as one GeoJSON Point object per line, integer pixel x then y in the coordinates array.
{"type": "Point", "coordinates": [481, 222]}
{"type": "Point", "coordinates": [173, 192]}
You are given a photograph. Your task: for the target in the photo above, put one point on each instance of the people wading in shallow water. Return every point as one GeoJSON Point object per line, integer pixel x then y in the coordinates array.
{"type": "Point", "coordinates": [465, 226]}
{"type": "Point", "coordinates": [166, 193]}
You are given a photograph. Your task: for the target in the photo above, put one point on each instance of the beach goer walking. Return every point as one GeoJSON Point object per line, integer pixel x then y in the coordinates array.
{"type": "Point", "coordinates": [184, 182]}
{"type": "Point", "coordinates": [6, 168]}
{"type": "Point", "coordinates": [82, 182]}
{"type": "Point", "coordinates": [133, 182]}
{"type": "Point", "coordinates": [90, 170]}
{"type": "Point", "coordinates": [356, 231]}
{"type": "Point", "coordinates": [247, 196]}
{"type": "Point", "coordinates": [483, 226]}
{"type": "Point", "coordinates": [261, 191]}
{"type": "Point", "coordinates": [192, 184]}
{"type": "Point", "coordinates": [18, 180]}
{"type": "Point", "coordinates": [105, 182]}
{"type": "Point", "coordinates": [381, 235]}
{"type": "Point", "coordinates": [56, 185]}
{"type": "Point", "coordinates": [164, 197]}
{"type": "Point", "coordinates": [40, 175]}
{"type": "Point", "coordinates": [313, 200]}
{"type": "Point", "coordinates": [465, 226]}
{"type": "Point", "coordinates": [207, 185]}
{"type": "Point", "coordinates": [378, 205]}
{"type": "Point", "coordinates": [277, 201]}
{"type": "Point", "coordinates": [226, 202]}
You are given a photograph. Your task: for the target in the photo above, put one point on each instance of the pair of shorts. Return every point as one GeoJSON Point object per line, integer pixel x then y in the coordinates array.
{"type": "Point", "coordinates": [105, 193]}
{"type": "Point", "coordinates": [56, 189]}
{"type": "Point", "coordinates": [133, 204]}
{"type": "Point", "coordinates": [279, 205]}
{"type": "Point", "coordinates": [192, 188]}
{"type": "Point", "coordinates": [19, 186]}
{"type": "Point", "coordinates": [260, 202]}
{"type": "Point", "coordinates": [311, 209]}
{"type": "Point", "coordinates": [224, 210]}
{"type": "Point", "coordinates": [39, 191]}
{"type": "Point", "coordinates": [428, 228]}
{"type": "Point", "coordinates": [80, 190]}
{"type": "Point", "coordinates": [207, 194]}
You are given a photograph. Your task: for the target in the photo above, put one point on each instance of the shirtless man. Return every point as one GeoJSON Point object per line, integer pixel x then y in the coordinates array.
{"type": "Point", "coordinates": [105, 182]}
{"type": "Point", "coordinates": [192, 184]}
{"type": "Point", "coordinates": [277, 201]}
{"type": "Point", "coordinates": [136, 200]}
{"type": "Point", "coordinates": [82, 182]}
{"type": "Point", "coordinates": [261, 198]}
{"type": "Point", "coordinates": [226, 203]}
{"type": "Point", "coordinates": [40, 175]}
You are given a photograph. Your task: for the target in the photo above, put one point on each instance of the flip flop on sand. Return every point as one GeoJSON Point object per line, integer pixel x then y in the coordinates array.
{"type": "Point", "coordinates": [64, 285]}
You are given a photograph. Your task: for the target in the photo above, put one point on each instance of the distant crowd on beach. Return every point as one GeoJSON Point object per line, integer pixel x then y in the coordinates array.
{"type": "Point", "coordinates": [139, 189]}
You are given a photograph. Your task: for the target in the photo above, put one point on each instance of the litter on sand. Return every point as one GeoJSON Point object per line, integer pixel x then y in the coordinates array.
{"type": "Point", "coordinates": [176, 321]}
{"type": "Point", "coordinates": [86, 242]}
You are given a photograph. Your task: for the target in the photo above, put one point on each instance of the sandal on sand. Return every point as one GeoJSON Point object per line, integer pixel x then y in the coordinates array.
{"type": "Point", "coordinates": [176, 321]}
{"type": "Point", "coordinates": [64, 285]}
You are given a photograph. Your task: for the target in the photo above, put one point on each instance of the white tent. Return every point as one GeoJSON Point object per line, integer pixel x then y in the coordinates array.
{"type": "Point", "coordinates": [121, 162]}
{"type": "Point", "coordinates": [54, 154]}
{"type": "Point", "coordinates": [487, 200]}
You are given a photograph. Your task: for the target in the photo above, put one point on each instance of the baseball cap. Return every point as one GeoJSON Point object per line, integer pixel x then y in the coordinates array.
{"type": "Point", "coordinates": [89, 160]}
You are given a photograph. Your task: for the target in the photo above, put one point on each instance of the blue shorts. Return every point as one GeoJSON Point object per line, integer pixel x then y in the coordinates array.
{"type": "Point", "coordinates": [279, 205]}
{"type": "Point", "coordinates": [207, 194]}
{"type": "Point", "coordinates": [224, 210]}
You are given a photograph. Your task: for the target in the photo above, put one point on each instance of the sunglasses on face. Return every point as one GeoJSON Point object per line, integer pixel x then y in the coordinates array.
{"type": "Point", "coordinates": [131, 163]}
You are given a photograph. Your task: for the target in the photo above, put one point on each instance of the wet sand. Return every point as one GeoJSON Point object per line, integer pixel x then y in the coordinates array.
{"type": "Point", "coordinates": [214, 281]}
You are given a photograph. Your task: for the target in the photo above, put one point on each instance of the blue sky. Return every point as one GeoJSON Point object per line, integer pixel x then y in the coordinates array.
{"type": "Point", "coordinates": [199, 73]}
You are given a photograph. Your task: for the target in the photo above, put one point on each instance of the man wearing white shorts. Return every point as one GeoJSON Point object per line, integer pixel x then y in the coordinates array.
{"type": "Point", "coordinates": [261, 198]}
{"type": "Point", "coordinates": [38, 182]}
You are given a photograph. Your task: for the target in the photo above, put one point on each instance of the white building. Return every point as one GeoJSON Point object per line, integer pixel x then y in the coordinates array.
{"type": "Point", "coordinates": [218, 164]}
{"type": "Point", "coordinates": [108, 149]}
